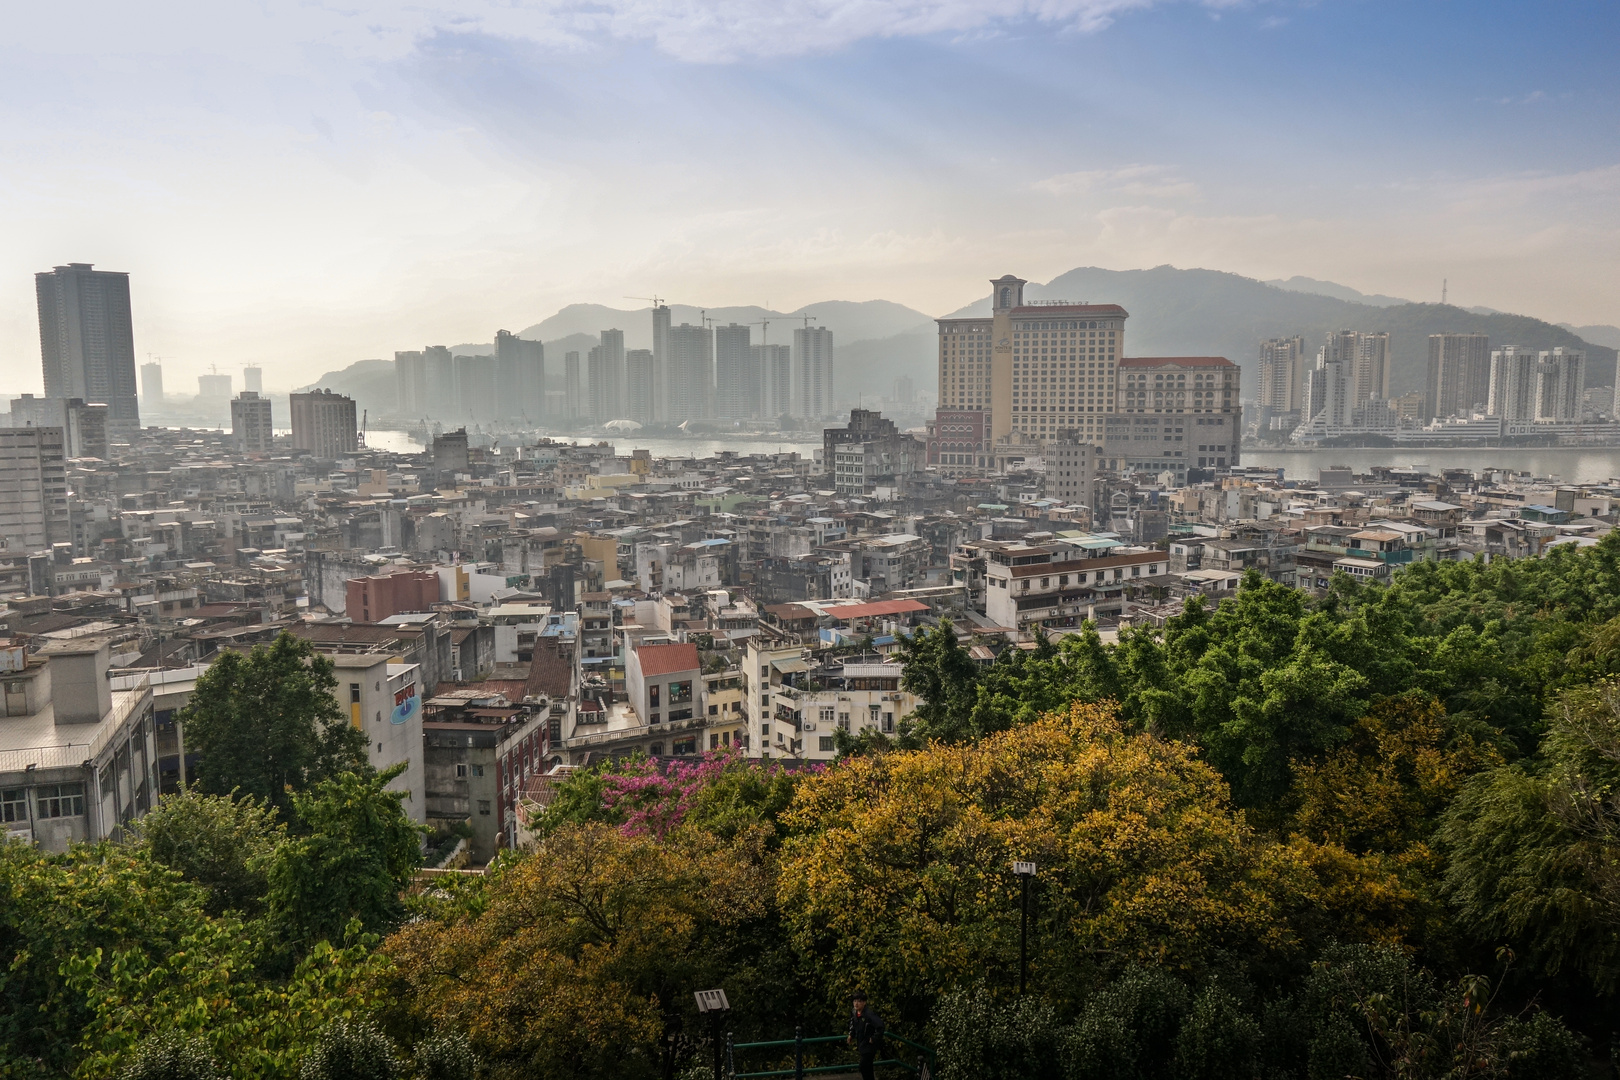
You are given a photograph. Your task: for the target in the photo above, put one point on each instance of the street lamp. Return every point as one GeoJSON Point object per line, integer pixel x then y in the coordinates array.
{"type": "Point", "coordinates": [713, 1004]}
{"type": "Point", "coordinates": [1025, 872]}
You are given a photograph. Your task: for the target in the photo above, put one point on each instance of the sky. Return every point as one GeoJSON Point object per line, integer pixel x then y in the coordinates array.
{"type": "Point", "coordinates": [305, 184]}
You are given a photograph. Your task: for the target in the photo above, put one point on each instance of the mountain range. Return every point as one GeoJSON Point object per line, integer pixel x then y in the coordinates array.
{"type": "Point", "coordinates": [1173, 312]}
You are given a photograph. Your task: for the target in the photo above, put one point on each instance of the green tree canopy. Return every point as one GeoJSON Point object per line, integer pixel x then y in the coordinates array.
{"type": "Point", "coordinates": [268, 723]}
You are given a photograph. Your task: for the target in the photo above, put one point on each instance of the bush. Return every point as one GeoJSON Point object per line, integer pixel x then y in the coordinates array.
{"type": "Point", "coordinates": [351, 1050]}
{"type": "Point", "coordinates": [171, 1056]}
{"type": "Point", "coordinates": [445, 1057]}
{"type": "Point", "coordinates": [977, 1037]}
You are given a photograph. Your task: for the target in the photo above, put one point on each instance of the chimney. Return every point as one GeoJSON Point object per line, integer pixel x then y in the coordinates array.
{"type": "Point", "coordinates": [80, 692]}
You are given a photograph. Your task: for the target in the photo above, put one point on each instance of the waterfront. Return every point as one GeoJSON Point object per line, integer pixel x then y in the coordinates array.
{"type": "Point", "coordinates": [1566, 464]}
{"type": "Point", "coordinates": [697, 446]}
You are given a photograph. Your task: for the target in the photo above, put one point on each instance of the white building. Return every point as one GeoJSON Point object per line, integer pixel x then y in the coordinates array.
{"type": "Point", "coordinates": [812, 372]}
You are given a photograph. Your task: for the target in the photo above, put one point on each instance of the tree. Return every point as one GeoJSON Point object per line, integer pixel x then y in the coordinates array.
{"type": "Point", "coordinates": [218, 842]}
{"type": "Point", "coordinates": [268, 723]}
{"type": "Point", "coordinates": [351, 1050]}
{"type": "Point", "coordinates": [361, 852]}
{"type": "Point", "coordinates": [581, 948]}
{"type": "Point", "coordinates": [895, 872]}
{"type": "Point", "coordinates": [940, 672]}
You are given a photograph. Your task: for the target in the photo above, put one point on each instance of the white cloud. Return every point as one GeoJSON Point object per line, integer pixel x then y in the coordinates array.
{"type": "Point", "coordinates": [705, 31]}
{"type": "Point", "coordinates": [1139, 181]}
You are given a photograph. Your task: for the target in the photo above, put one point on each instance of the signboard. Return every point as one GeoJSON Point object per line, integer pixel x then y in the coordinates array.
{"type": "Point", "coordinates": [406, 704]}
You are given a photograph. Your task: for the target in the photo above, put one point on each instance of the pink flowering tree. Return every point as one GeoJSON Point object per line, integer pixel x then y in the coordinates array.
{"type": "Point", "coordinates": [721, 789]}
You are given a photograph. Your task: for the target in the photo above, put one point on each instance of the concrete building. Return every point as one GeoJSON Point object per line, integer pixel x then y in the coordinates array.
{"type": "Point", "coordinates": [1060, 586]}
{"type": "Point", "coordinates": [573, 388]}
{"type": "Point", "coordinates": [253, 379]}
{"type": "Point", "coordinates": [812, 364]}
{"type": "Point", "coordinates": [1513, 383]}
{"type": "Point", "coordinates": [78, 757]}
{"type": "Point", "coordinates": [638, 385]}
{"type": "Point", "coordinates": [690, 372]}
{"type": "Point", "coordinates": [775, 366]}
{"type": "Point", "coordinates": [661, 359]}
{"type": "Point", "coordinates": [251, 424]}
{"type": "Point", "coordinates": [86, 426]}
{"type": "Point", "coordinates": [214, 388]}
{"type": "Point", "coordinates": [958, 444]}
{"type": "Point", "coordinates": [87, 342]}
{"type": "Point", "coordinates": [477, 399]}
{"type": "Point", "coordinates": [1560, 384]}
{"type": "Point", "coordinates": [152, 383]}
{"type": "Point", "coordinates": [382, 596]}
{"type": "Point", "coordinates": [324, 423]}
{"type": "Point", "coordinates": [736, 373]}
{"type": "Point", "coordinates": [664, 682]}
{"type": "Point", "coordinates": [1282, 374]}
{"type": "Point", "coordinates": [520, 376]}
{"type": "Point", "coordinates": [1175, 413]}
{"type": "Point", "coordinates": [1070, 469]}
{"type": "Point", "coordinates": [870, 451]}
{"type": "Point", "coordinates": [33, 487]}
{"type": "Point", "coordinates": [410, 383]}
{"type": "Point", "coordinates": [606, 370]}
{"type": "Point", "coordinates": [384, 700]}
{"type": "Point", "coordinates": [1459, 375]}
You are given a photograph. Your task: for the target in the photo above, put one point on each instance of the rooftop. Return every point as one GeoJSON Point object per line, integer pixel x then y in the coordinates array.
{"type": "Point", "coordinates": [668, 659]}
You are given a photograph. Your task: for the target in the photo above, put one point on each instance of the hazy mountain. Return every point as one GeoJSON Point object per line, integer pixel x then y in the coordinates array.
{"type": "Point", "coordinates": [1212, 313]}
{"type": "Point", "coordinates": [1173, 313]}
{"type": "Point", "coordinates": [1608, 336]}
{"type": "Point", "coordinates": [1338, 292]}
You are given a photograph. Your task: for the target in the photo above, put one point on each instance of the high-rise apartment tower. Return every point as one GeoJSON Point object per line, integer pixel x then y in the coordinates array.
{"type": "Point", "coordinates": [87, 342]}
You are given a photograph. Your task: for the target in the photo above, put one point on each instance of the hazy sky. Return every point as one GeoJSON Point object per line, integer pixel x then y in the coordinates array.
{"type": "Point", "coordinates": [303, 184]}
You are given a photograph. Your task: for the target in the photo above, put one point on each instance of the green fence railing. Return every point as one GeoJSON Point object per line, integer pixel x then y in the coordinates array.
{"type": "Point", "coordinates": [921, 1067]}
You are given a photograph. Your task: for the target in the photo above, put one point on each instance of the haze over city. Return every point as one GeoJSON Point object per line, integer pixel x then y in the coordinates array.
{"type": "Point", "coordinates": [306, 186]}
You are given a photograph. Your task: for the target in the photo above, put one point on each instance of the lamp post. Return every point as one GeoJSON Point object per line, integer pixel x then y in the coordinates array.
{"type": "Point", "coordinates": [1024, 871]}
{"type": "Point", "coordinates": [713, 1004]}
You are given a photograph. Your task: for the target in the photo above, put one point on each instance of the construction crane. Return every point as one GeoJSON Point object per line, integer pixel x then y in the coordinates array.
{"type": "Point", "coordinates": [654, 300]}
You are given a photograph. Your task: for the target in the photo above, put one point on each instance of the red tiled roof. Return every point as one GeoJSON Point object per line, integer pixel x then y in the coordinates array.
{"type": "Point", "coordinates": [666, 659]}
{"type": "Point", "coordinates": [1175, 361]}
{"type": "Point", "coordinates": [877, 607]}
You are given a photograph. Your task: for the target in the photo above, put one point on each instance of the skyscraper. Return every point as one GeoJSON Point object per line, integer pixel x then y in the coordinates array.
{"type": "Point", "coordinates": [1282, 374]}
{"type": "Point", "coordinates": [410, 383]}
{"type": "Point", "coordinates": [1513, 383]}
{"type": "Point", "coordinates": [775, 366]}
{"type": "Point", "coordinates": [152, 384]}
{"type": "Point", "coordinates": [1035, 369]}
{"type": "Point", "coordinates": [812, 372]}
{"type": "Point", "coordinates": [638, 380]}
{"type": "Point", "coordinates": [251, 425]}
{"type": "Point", "coordinates": [476, 392]}
{"type": "Point", "coordinates": [520, 375]}
{"type": "Point", "coordinates": [660, 351]}
{"type": "Point", "coordinates": [1560, 384]}
{"type": "Point", "coordinates": [33, 487]}
{"type": "Point", "coordinates": [690, 372]}
{"type": "Point", "coordinates": [606, 371]}
{"type": "Point", "coordinates": [1459, 374]}
{"type": "Point", "coordinates": [214, 387]}
{"type": "Point", "coordinates": [87, 342]}
{"type": "Point", "coordinates": [324, 424]}
{"type": "Point", "coordinates": [573, 394]}
{"type": "Point", "coordinates": [253, 379]}
{"type": "Point", "coordinates": [736, 374]}
{"type": "Point", "coordinates": [440, 377]}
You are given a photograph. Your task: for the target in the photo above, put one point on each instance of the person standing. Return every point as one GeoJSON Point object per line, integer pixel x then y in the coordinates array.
{"type": "Point", "coordinates": [866, 1034]}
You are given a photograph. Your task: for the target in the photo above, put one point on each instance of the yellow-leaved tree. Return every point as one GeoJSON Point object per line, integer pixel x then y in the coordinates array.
{"type": "Point", "coordinates": [897, 875]}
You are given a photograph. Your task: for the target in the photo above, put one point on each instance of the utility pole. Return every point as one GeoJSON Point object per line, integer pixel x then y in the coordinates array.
{"type": "Point", "coordinates": [1025, 871]}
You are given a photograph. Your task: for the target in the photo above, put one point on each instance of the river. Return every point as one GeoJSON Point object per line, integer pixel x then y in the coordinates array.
{"type": "Point", "coordinates": [697, 446]}
{"type": "Point", "coordinates": [1566, 464]}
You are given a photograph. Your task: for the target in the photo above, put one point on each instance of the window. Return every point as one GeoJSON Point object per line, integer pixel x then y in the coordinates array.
{"type": "Point", "coordinates": [354, 693]}
{"type": "Point", "coordinates": [827, 713]}
{"type": "Point", "coordinates": [60, 800]}
{"type": "Point", "coordinates": [461, 770]}
{"type": "Point", "coordinates": [826, 744]}
{"type": "Point", "coordinates": [483, 808]}
{"type": "Point", "coordinates": [680, 692]}
{"type": "Point", "coordinates": [652, 695]}
{"type": "Point", "coordinates": [764, 729]}
{"type": "Point", "coordinates": [478, 770]}
{"type": "Point", "coordinates": [688, 745]}
{"type": "Point", "coordinates": [14, 804]}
